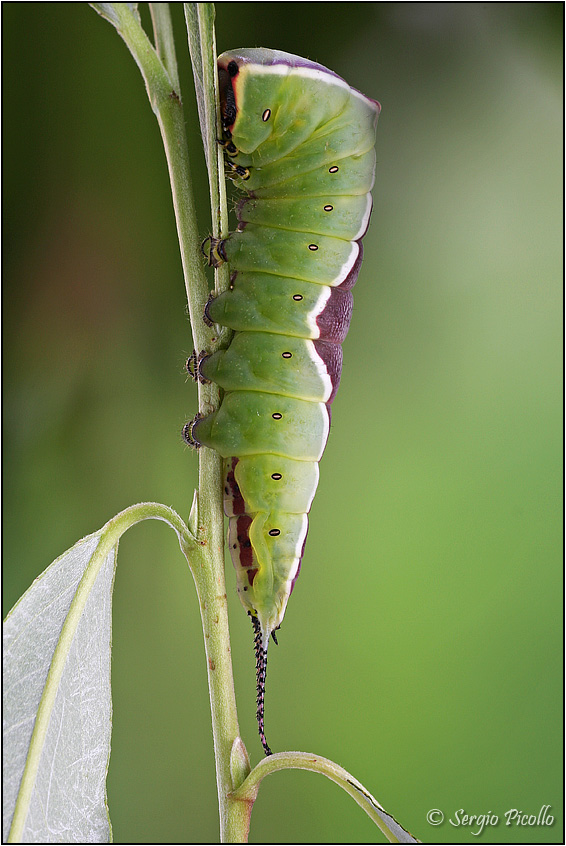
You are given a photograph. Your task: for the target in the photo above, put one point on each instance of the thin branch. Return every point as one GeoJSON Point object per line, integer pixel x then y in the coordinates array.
{"type": "Point", "coordinates": [164, 41]}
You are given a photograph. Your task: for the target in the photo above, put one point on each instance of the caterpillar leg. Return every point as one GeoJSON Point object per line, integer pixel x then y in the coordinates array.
{"type": "Point", "coordinates": [234, 171]}
{"type": "Point", "coordinates": [206, 316]}
{"type": "Point", "coordinates": [213, 250]}
{"type": "Point", "coordinates": [193, 366]}
{"type": "Point", "coordinates": [228, 146]}
{"type": "Point", "coordinates": [187, 432]}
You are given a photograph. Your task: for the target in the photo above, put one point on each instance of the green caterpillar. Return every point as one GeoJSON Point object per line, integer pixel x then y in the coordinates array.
{"type": "Point", "coordinates": [301, 143]}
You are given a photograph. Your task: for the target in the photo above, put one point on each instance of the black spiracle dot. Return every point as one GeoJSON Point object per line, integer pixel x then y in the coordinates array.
{"type": "Point", "coordinates": [277, 416]}
{"type": "Point", "coordinates": [233, 68]}
{"type": "Point", "coordinates": [333, 169]}
{"type": "Point", "coordinates": [313, 247]}
{"type": "Point", "coordinates": [276, 476]}
{"type": "Point", "coordinates": [297, 297]}
{"type": "Point", "coordinates": [266, 115]}
{"type": "Point", "coordinates": [286, 355]}
{"type": "Point", "coordinates": [274, 532]}
{"type": "Point", "coordinates": [328, 208]}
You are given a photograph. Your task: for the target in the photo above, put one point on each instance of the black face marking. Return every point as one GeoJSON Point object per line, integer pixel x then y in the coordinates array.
{"type": "Point", "coordinates": [266, 115]}
{"type": "Point", "coordinates": [276, 476]}
{"type": "Point", "coordinates": [313, 247]}
{"type": "Point", "coordinates": [333, 169]}
{"type": "Point", "coordinates": [297, 297]}
{"type": "Point", "coordinates": [328, 208]}
{"type": "Point", "coordinates": [274, 532]}
{"type": "Point", "coordinates": [233, 68]}
{"type": "Point", "coordinates": [286, 355]}
{"type": "Point", "coordinates": [228, 108]}
{"type": "Point", "coordinates": [277, 416]}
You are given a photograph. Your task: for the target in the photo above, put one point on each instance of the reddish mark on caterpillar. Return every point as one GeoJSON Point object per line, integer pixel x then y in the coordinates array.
{"type": "Point", "coordinates": [211, 664]}
{"type": "Point", "coordinates": [238, 504]}
{"type": "Point", "coordinates": [246, 552]}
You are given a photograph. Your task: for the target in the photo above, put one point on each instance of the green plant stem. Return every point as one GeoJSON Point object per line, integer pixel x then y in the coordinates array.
{"type": "Point", "coordinates": [210, 582]}
{"type": "Point", "coordinates": [202, 47]}
{"type": "Point", "coordinates": [209, 570]}
{"type": "Point", "coordinates": [167, 106]}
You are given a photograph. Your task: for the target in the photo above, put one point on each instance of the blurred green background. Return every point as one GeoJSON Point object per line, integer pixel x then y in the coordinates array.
{"type": "Point", "coordinates": [422, 646]}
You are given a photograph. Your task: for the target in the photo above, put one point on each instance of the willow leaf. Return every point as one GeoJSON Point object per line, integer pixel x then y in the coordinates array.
{"type": "Point", "coordinates": [57, 704]}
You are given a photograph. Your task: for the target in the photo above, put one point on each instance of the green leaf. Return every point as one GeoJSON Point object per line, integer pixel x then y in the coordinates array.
{"type": "Point", "coordinates": [57, 704]}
